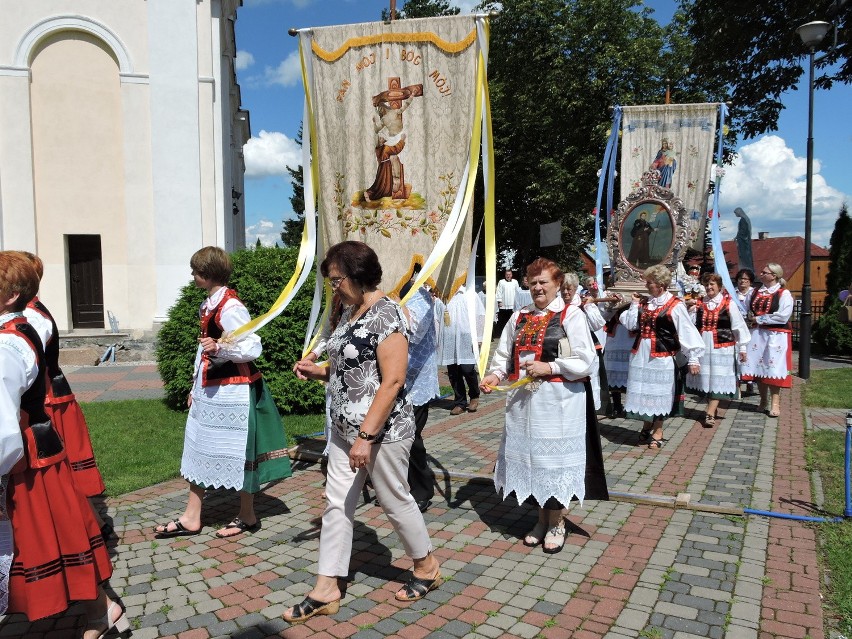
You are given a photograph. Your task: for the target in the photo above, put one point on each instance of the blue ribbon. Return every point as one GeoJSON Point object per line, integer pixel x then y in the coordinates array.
{"type": "Point", "coordinates": [715, 239]}
{"type": "Point", "coordinates": [607, 175]}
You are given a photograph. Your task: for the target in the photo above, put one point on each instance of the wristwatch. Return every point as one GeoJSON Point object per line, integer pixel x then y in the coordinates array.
{"type": "Point", "coordinates": [366, 436]}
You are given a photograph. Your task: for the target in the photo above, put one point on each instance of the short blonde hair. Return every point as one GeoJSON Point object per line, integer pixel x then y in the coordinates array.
{"type": "Point", "coordinates": [659, 274]}
{"type": "Point", "coordinates": [778, 272]}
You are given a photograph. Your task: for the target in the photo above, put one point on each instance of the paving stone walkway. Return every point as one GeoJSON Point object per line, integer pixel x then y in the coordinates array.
{"type": "Point", "coordinates": [630, 567]}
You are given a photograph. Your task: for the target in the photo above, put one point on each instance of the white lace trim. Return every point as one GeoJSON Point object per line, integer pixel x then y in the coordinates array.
{"type": "Point", "coordinates": [561, 483]}
{"type": "Point", "coordinates": [214, 448]}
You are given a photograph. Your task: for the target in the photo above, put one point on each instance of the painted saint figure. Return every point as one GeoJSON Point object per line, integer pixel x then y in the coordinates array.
{"type": "Point", "coordinates": [640, 248]}
{"type": "Point", "coordinates": [390, 141]}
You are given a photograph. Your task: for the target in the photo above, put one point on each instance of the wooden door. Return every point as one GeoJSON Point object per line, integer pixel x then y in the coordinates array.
{"type": "Point", "coordinates": [87, 286]}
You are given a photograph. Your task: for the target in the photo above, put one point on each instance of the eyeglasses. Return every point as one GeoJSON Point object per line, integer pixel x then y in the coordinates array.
{"type": "Point", "coordinates": [336, 281]}
{"type": "Point", "coordinates": [767, 273]}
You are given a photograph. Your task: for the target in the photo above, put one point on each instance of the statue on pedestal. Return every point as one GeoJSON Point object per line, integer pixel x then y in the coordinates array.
{"type": "Point", "coordinates": [746, 259]}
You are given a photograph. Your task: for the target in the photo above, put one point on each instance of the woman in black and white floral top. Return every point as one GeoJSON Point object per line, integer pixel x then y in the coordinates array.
{"type": "Point", "coordinates": [372, 428]}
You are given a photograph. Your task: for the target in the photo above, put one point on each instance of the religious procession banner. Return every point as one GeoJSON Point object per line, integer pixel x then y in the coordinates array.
{"type": "Point", "coordinates": [393, 109]}
{"type": "Point", "coordinates": [676, 140]}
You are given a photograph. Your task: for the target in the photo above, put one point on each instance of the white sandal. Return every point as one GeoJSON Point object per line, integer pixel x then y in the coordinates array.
{"type": "Point", "coordinates": [121, 624]}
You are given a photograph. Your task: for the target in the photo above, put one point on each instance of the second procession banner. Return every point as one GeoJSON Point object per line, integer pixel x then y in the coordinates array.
{"type": "Point", "coordinates": [677, 141]}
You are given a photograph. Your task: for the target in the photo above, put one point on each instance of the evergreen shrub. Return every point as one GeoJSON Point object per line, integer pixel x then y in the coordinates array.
{"type": "Point", "coordinates": [833, 336]}
{"type": "Point", "coordinates": [259, 276]}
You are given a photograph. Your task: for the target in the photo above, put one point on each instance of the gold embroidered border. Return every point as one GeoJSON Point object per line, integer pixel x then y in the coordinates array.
{"type": "Point", "coordinates": [443, 45]}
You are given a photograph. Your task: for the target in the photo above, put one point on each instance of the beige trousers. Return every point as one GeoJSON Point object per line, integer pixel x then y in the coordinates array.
{"type": "Point", "coordinates": [388, 469]}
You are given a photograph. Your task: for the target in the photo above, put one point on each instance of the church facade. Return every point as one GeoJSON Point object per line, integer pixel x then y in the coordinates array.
{"type": "Point", "coordinates": [121, 149]}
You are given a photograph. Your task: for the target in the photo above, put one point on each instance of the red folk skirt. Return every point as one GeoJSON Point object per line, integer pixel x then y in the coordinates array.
{"type": "Point", "coordinates": [60, 556]}
{"type": "Point", "coordinates": [71, 425]}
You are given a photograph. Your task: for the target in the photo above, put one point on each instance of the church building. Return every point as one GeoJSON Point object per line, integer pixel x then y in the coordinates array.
{"type": "Point", "coordinates": [121, 150]}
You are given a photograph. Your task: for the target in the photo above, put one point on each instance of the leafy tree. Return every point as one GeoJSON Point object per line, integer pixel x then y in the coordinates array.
{"type": "Point", "coordinates": [555, 68]}
{"type": "Point", "coordinates": [257, 244]}
{"type": "Point", "coordinates": [422, 9]}
{"type": "Point", "coordinates": [840, 254]}
{"type": "Point", "coordinates": [292, 233]}
{"type": "Point", "coordinates": [752, 47]}
{"type": "Point", "coordinates": [829, 332]}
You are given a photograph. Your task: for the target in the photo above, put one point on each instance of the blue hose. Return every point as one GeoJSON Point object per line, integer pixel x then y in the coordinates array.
{"type": "Point", "coordinates": [847, 512]}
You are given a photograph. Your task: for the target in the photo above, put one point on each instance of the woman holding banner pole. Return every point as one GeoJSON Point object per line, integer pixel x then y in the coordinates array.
{"type": "Point", "coordinates": [372, 429]}
{"type": "Point", "coordinates": [550, 452]}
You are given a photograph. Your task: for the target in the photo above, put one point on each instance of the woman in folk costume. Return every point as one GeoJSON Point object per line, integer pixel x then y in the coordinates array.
{"type": "Point", "coordinates": [51, 550]}
{"type": "Point", "coordinates": [744, 281]}
{"type": "Point", "coordinates": [571, 296]}
{"type": "Point", "coordinates": [770, 353]}
{"type": "Point", "coordinates": [61, 404]}
{"type": "Point", "coordinates": [664, 329]}
{"type": "Point", "coordinates": [550, 452]}
{"type": "Point", "coordinates": [725, 334]}
{"type": "Point", "coordinates": [617, 353]}
{"type": "Point", "coordinates": [234, 436]}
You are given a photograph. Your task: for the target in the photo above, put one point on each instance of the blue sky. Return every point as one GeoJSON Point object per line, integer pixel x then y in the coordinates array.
{"type": "Point", "coordinates": [767, 181]}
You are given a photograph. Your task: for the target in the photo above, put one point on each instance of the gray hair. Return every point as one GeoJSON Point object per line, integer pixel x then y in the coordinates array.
{"type": "Point", "coordinates": [659, 274]}
{"type": "Point", "coordinates": [571, 281]}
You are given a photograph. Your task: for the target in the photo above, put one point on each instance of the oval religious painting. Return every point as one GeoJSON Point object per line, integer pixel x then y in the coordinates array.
{"type": "Point", "coordinates": [647, 234]}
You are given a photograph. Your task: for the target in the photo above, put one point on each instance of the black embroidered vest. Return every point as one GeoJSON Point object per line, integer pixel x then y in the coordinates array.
{"type": "Point", "coordinates": [42, 444]}
{"type": "Point", "coordinates": [717, 321]}
{"type": "Point", "coordinates": [215, 370]}
{"type": "Point", "coordinates": [659, 327]}
{"type": "Point", "coordinates": [59, 388]}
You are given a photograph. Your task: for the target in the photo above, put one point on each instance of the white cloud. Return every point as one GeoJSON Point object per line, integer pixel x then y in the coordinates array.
{"type": "Point", "coordinates": [466, 6]}
{"type": "Point", "coordinates": [270, 153]}
{"type": "Point", "coordinates": [768, 181]}
{"type": "Point", "coordinates": [244, 60]}
{"type": "Point", "coordinates": [288, 73]}
{"type": "Point", "coordinates": [268, 232]}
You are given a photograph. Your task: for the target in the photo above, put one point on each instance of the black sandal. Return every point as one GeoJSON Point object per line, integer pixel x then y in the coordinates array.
{"type": "Point", "coordinates": [239, 524]}
{"type": "Point", "coordinates": [179, 531]}
{"type": "Point", "coordinates": [311, 607]}
{"type": "Point", "coordinates": [416, 588]}
{"type": "Point", "coordinates": [657, 443]}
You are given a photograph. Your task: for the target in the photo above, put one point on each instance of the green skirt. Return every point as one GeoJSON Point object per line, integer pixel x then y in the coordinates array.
{"type": "Point", "coordinates": [266, 446]}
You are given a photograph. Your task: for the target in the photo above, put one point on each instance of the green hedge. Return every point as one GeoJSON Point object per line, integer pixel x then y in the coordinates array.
{"type": "Point", "coordinates": [259, 276]}
{"type": "Point", "coordinates": [833, 336]}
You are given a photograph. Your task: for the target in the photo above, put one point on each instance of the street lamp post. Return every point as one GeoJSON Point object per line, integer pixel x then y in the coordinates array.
{"type": "Point", "coordinates": [811, 34]}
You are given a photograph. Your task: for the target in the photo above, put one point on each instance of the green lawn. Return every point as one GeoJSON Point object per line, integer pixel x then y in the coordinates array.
{"type": "Point", "coordinates": [139, 442]}
{"type": "Point", "coordinates": [826, 450]}
{"type": "Point", "coordinates": [829, 388]}
{"type": "Point", "coordinates": [826, 455]}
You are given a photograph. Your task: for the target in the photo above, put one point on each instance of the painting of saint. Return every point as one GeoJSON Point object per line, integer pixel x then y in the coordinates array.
{"type": "Point", "coordinates": [646, 235]}
{"type": "Point", "coordinates": [390, 141]}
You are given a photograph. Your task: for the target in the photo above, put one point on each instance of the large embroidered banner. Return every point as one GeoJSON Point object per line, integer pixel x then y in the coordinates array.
{"type": "Point", "coordinates": [394, 107]}
{"type": "Point", "coordinates": [677, 141]}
